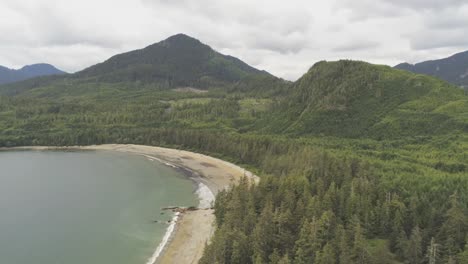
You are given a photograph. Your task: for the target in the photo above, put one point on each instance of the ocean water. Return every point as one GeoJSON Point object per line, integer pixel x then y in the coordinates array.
{"type": "Point", "coordinates": [91, 207]}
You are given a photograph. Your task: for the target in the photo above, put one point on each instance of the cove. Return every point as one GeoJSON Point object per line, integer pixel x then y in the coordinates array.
{"type": "Point", "coordinates": [85, 206]}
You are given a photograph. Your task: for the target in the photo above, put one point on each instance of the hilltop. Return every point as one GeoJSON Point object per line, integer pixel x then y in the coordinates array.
{"type": "Point", "coordinates": [179, 60]}
{"type": "Point", "coordinates": [358, 99]}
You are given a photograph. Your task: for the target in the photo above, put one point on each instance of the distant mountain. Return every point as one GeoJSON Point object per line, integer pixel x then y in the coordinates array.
{"type": "Point", "coordinates": [453, 69]}
{"type": "Point", "coordinates": [178, 61]}
{"type": "Point", "coordinates": [27, 72]}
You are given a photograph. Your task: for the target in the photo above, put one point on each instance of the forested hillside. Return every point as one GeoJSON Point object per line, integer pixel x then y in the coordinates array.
{"type": "Point", "coordinates": [357, 99]}
{"type": "Point", "coordinates": [359, 163]}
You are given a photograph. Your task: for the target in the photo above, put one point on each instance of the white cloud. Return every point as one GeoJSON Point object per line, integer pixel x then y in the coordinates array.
{"type": "Point", "coordinates": [283, 37]}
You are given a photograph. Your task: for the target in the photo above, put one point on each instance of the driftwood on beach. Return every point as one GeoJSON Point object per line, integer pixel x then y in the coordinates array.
{"type": "Point", "coordinates": [179, 209]}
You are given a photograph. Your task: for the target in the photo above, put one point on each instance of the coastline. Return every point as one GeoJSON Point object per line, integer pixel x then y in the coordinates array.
{"type": "Point", "coordinates": [189, 231]}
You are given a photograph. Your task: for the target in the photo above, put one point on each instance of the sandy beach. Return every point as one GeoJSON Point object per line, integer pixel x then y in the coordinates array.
{"type": "Point", "coordinates": [193, 228]}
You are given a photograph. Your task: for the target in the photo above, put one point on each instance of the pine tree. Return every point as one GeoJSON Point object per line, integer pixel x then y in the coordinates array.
{"type": "Point", "coordinates": [463, 256]}
{"type": "Point", "coordinates": [382, 255]}
{"type": "Point", "coordinates": [432, 252]}
{"type": "Point", "coordinates": [285, 260]}
{"type": "Point", "coordinates": [237, 254]}
{"type": "Point", "coordinates": [264, 234]}
{"type": "Point", "coordinates": [454, 229]}
{"type": "Point", "coordinates": [275, 257]}
{"type": "Point", "coordinates": [327, 255]}
{"type": "Point", "coordinates": [240, 248]}
{"type": "Point", "coordinates": [307, 244]}
{"type": "Point", "coordinates": [344, 249]}
{"type": "Point", "coordinates": [359, 252]}
{"type": "Point", "coordinates": [414, 250]}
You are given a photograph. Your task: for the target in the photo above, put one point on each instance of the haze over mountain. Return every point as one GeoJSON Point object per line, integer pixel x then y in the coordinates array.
{"type": "Point", "coordinates": [453, 69]}
{"type": "Point", "coordinates": [30, 71]}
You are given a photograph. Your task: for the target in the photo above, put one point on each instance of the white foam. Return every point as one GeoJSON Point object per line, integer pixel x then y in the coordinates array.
{"type": "Point", "coordinates": [165, 239]}
{"type": "Point", "coordinates": [151, 158]}
{"type": "Point", "coordinates": [205, 195]}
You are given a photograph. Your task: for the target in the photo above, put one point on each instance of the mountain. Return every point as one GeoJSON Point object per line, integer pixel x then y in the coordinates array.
{"type": "Point", "coordinates": [179, 61]}
{"type": "Point", "coordinates": [27, 72]}
{"type": "Point", "coordinates": [358, 99]}
{"type": "Point", "coordinates": [453, 69]}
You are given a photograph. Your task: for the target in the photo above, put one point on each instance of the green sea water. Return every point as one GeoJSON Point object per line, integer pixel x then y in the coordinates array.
{"type": "Point", "coordinates": [85, 207]}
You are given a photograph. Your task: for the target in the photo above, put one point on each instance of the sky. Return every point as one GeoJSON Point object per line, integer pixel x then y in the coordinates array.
{"type": "Point", "coordinates": [283, 37]}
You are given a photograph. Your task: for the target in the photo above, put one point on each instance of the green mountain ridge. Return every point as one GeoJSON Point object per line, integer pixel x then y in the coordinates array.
{"type": "Point", "coordinates": [358, 99]}
{"type": "Point", "coordinates": [350, 99]}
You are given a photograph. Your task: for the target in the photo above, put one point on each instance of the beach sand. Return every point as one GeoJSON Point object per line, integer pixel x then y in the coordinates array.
{"type": "Point", "coordinates": [194, 228]}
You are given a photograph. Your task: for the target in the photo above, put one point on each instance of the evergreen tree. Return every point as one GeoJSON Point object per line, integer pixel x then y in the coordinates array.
{"type": "Point", "coordinates": [414, 252]}
{"type": "Point", "coordinates": [454, 229]}
{"type": "Point", "coordinates": [327, 255]}
{"type": "Point", "coordinates": [264, 234]}
{"type": "Point", "coordinates": [275, 257]}
{"type": "Point", "coordinates": [359, 252]}
{"type": "Point", "coordinates": [463, 256]}
{"type": "Point", "coordinates": [433, 252]}
{"type": "Point", "coordinates": [285, 260]}
{"type": "Point", "coordinates": [307, 244]}
{"type": "Point", "coordinates": [343, 247]}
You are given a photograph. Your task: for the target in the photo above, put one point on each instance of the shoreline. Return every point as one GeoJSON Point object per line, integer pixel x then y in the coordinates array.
{"type": "Point", "coordinates": [185, 238]}
{"type": "Point", "coordinates": [204, 195]}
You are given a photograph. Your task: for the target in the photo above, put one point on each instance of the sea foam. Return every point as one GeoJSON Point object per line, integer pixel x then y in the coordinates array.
{"type": "Point", "coordinates": [206, 197]}
{"type": "Point", "coordinates": [165, 239]}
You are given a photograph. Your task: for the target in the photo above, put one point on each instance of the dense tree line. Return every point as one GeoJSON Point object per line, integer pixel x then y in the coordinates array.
{"type": "Point", "coordinates": [349, 218]}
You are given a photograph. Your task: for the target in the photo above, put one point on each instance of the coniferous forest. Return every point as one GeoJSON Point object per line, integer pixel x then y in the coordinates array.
{"type": "Point", "coordinates": [359, 163]}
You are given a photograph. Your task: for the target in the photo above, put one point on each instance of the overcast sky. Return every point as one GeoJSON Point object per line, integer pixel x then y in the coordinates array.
{"type": "Point", "coordinates": [283, 37]}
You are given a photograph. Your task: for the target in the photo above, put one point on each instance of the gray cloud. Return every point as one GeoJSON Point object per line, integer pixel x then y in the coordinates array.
{"type": "Point", "coordinates": [447, 19]}
{"type": "Point", "coordinates": [358, 10]}
{"type": "Point", "coordinates": [291, 43]}
{"type": "Point", "coordinates": [283, 37]}
{"type": "Point", "coordinates": [441, 29]}
{"type": "Point", "coordinates": [356, 46]}
{"type": "Point", "coordinates": [440, 39]}
{"type": "Point", "coordinates": [426, 4]}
